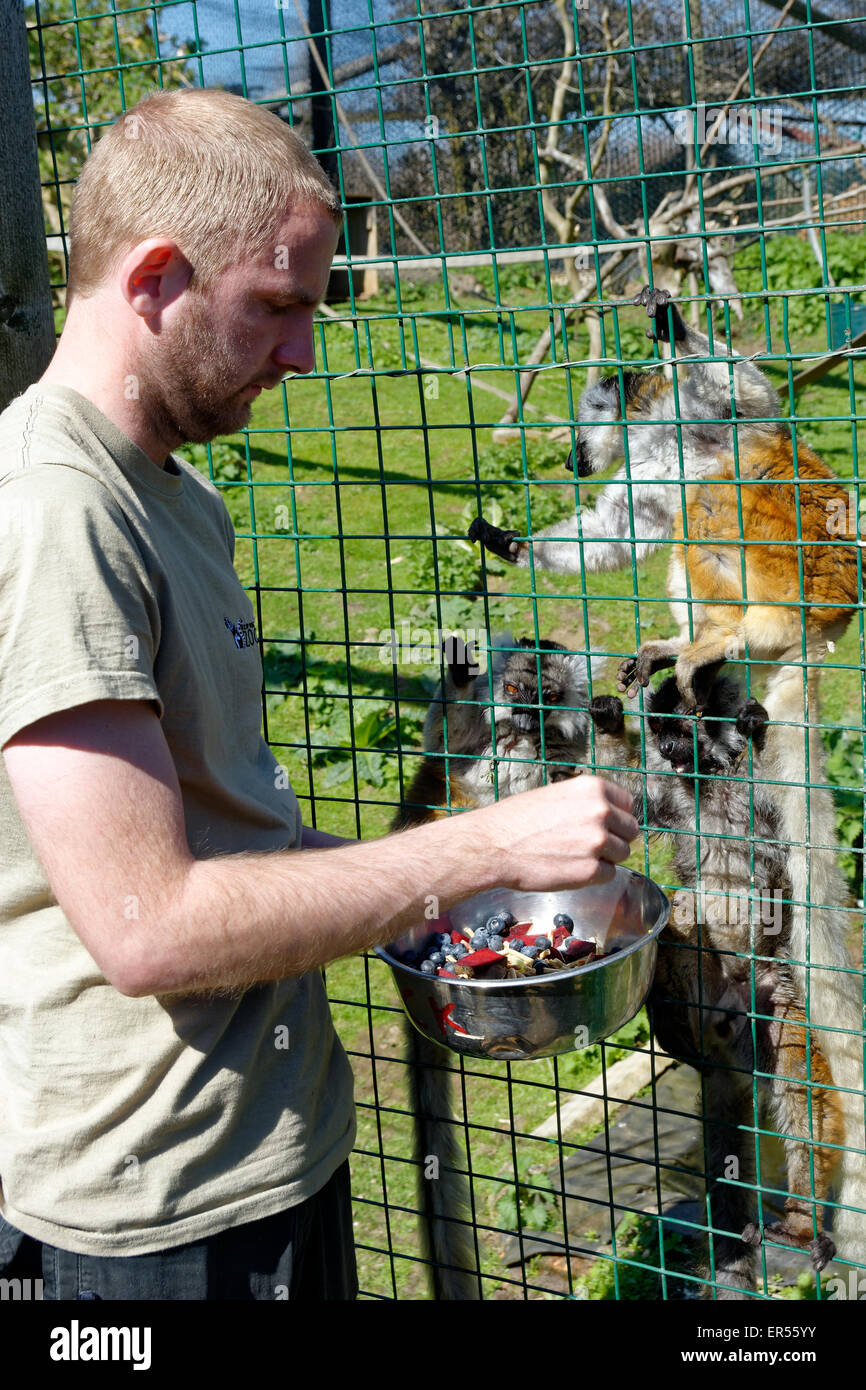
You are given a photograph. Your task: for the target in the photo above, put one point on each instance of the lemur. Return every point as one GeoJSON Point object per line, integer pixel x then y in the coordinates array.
{"type": "Point", "coordinates": [485, 733]}
{"type": "Point", "coordinates": [707, 464]}
{"type": "Point", "coordinates": [716, 955]}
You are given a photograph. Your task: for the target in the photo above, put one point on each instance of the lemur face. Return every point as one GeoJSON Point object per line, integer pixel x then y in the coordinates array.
{"type": "Point", "coordinates": [600, 440]}
{"type": "Point", "coordinates": [709, 745]}
{"type": "Point", "coordinates": [518, 700]}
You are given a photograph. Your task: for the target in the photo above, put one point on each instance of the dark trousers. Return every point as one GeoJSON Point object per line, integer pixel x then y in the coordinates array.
{"type": "Point", "coordinates": [305, 1252]}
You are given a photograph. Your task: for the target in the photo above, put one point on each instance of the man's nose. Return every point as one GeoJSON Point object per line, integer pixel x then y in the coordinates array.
{"type": "Point", "coordinates": [296, 352]}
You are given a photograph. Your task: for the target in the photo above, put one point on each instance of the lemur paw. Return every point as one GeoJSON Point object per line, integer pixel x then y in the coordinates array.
{"type": "Point", "coordinates": [636, 670]}
{"type": "Point", "coordinates": [606, 713]}
{"type": "Point", "coordinates": [498, 542]}
{"type": "Point", "coordinates": [752, 719]}
{"type": "Point", "coordinates": [821, 1251]}
{"type": "Point", "coordinates": [461, 659]}
{"type": "Point", "coordinates": [658, 303]}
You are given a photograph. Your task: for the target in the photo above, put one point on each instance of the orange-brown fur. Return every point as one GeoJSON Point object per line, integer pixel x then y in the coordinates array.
{"type": "Point", "coordinates": [431, 795]}
{"type": "Point", "coordinates": [768, 509]}
{"type": "Point", "coordinates": [755, 503]}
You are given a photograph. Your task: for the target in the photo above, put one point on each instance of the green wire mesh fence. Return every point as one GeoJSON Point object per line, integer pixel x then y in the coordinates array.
{"type": "Point", "coordinates": [511, 176]}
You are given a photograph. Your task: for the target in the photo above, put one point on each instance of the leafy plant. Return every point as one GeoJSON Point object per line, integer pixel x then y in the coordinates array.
{"type": "Point", "coordinates": [637, 1239]}
{"type": "Point", "coordinates": [844, 750]}
{"type": "Point", "coordinates": [791, 265]}
{"type": "Point", "coordinates": [368, 724]}
{"type": "Point", "coordinates": [536, 1200]}
{"type": "Point", "coordinates": [228, 465]}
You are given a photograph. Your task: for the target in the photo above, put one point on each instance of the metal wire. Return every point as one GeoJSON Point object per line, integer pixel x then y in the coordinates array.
{"type": "Point", "coordinates": [553, 146]}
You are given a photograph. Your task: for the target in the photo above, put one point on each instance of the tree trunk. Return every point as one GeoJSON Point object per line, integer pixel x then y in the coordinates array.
{"type": "Point", "coordinates": [27, 337]}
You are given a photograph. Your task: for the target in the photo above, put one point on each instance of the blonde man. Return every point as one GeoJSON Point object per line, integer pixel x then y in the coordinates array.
{"type": "Point", "coordinates": [176, 1105]}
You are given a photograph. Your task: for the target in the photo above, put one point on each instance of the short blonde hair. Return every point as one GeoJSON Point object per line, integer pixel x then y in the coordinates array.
{"type": "Point", "coordinates": [209, 169]}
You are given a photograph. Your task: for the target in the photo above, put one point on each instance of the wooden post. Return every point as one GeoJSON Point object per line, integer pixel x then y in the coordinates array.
{"type": "Point", "coordinates": [323, 133]}
{"type": "Point", "coordinates": [27, 338]}
{"type": "Point", "coordinates": [371, 272]}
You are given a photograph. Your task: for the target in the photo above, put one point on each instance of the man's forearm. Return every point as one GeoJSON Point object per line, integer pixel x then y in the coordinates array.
{"type": "Point", "coordinates": [249, 918]}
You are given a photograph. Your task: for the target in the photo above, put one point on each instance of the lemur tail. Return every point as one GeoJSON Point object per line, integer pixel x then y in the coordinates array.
{"type": "Point", "coordinates": [819, 934]}
{"type": "Point", "coordinates": [443, 1190]}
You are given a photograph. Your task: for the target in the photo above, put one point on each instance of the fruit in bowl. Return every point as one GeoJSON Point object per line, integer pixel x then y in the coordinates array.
{"type": "Point", "coordinates": [558, 971]}
{"type": "Point", "coordinates": [505, 949]}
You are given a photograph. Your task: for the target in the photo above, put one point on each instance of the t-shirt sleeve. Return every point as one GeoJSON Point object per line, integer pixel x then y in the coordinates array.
{"type": "Point", "coordinates": [79, 619]}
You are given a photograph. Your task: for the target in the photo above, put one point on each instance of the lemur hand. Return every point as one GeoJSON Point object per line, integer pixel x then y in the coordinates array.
{"type": "Point", "coordinates": [658, 304]}
{"type": "Point", "coordinates": [606, 714]}
{"type": "Point", "coordinates": [462, 660]}
{"type": "Point", "coordinates": [752, 719]}
{"type": "Point", "coordinates": [500, 543]}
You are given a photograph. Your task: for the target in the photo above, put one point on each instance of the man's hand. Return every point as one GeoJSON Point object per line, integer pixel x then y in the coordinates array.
{"type": "Point", "coordinates": [562, 836]}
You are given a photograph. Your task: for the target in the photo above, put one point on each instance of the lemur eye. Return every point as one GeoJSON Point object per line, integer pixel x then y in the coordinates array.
{"type": "Point", "coordinates": [511, 689]}
{"type": "Point", "coordinates": [550, 697]}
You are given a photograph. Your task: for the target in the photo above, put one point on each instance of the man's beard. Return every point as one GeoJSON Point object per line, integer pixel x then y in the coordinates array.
{"type": "Point", "coordinates": [183, 385]}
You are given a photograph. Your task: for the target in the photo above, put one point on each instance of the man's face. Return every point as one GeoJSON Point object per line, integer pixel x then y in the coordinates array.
{"type": "Point", "coordinates": [210, 358]}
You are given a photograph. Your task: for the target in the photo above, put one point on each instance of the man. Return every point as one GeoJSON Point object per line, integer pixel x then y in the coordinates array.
{"type": "Point", "coordinates": [176, 1108]}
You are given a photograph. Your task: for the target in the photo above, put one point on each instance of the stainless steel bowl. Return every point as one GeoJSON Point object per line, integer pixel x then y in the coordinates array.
{"type": "Point", "coordinates": [517, 1020]}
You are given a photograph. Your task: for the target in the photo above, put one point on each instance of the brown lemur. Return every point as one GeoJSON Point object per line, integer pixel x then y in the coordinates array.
{"type": "Point", "coordinates": [726, 998]}
{"type": "Point", "coordinates": [487, 735]}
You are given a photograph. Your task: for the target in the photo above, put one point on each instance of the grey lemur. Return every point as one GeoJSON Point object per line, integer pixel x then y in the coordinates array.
{"type": "Point", "coordinates": [483, 737]}
{"type": "Point", "coordinates": [665, 433]}
{"type": "Point", "coordinates": [716, 956]}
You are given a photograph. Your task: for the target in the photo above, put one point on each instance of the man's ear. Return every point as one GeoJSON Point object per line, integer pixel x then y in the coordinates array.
{"type": "Point", "coordinates": [153, 274]}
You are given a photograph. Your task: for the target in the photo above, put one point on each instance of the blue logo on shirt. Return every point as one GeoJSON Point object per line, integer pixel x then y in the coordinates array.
{"type": "Point", "coordinates": [244, 633]}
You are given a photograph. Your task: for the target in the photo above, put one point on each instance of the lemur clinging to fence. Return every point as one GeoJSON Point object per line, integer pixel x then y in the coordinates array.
{"type": "Point", "coordinates": [702, 992]}
{"type": "Point", "coordinates": [710, 468]}
{"type": "Point", "coordinates": [462, 780]}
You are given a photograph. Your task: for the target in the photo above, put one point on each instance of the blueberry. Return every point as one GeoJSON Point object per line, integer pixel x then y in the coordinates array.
{"type": "Point", "coordinates": [495, 943]}
{"type": "Point", "coordinates": [437, 958]}
{"type": "Point", "coordinates": [562, 919]}
{"type": "Point", "coordinates": [507, 919]}
{"type": "Point", "coordinates": [516, 945]}
{"type": "Point", "coordinates": [444, 938]}
{"type": "Point", "coordinates": [459, 950]}
{"type": "Point", "coordinates": [493, 924]}
{"type": "Point", "coordinates": [530, 951]}
{"type": "Point", "coordinates": [428, 967]}
{"type": "Point", "coordinates": [543, 943]}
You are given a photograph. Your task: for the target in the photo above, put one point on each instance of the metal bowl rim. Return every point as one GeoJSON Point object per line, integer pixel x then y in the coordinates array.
{"type": "Point", "coordinates": [551, 976]}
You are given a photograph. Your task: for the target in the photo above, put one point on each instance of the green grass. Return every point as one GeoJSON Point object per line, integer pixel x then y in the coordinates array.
{"type": "Point", "coordinates": [334, 527]}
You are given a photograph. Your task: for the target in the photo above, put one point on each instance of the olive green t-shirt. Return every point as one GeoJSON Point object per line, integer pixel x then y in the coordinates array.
{"type": "Point", "coordinates": [131, 1125]}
